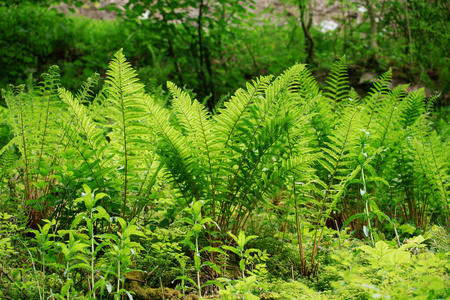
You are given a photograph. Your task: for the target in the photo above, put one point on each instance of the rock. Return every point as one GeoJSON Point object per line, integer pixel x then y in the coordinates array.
{"type": "Point", "coordinates": [270, 296]}
{"type": "Point", "coordinates": [134, 282]}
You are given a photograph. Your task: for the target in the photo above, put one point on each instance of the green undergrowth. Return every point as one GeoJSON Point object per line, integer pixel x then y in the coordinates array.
{"type": "Point", "coordinates": [285, 191]}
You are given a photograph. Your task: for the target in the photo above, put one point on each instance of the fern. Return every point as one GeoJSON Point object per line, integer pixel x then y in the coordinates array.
{"type": "Point", "coordinates": [434, 169]}
{"type": "Point", "coordinates": [259, 134]}
{"type": "Point", "coordinates": [221, 158]}
{"type": "Point", "coordinates": [377, 97]}
{"type": "Point", "coordinates": [173, 151]}
{"type": "Point", "coordinates": [199, 132]}
{"type": "Point", "coordinates": [125, 110]}
{"type": "Point", "coordinates": [33, 114]}
{"type": "Point", "coordinates": [413, 107]}
{"type": "Point", "coordinates": [321, 151]}
{"type": "Point", "coordinates": [84, 135]}
{"type": "Point", "coordinates": [337, 84]}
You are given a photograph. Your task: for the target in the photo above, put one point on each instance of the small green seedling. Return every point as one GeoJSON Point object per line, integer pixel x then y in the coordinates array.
{"type": "Point", "coordinates": [241, 241]}
{"type": "Point", "coordinates": [198, 223]}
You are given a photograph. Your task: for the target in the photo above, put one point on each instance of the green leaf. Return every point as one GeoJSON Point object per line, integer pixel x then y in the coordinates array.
{"type": "Point", "coordinates": [234, 237]}
{"type": "Point", "coordinates": [132, 230]}
{"type": "Point", "coordinates": [241, 240]}
{"type": "Point", "coordinates": [232, 249]}
{"type": "Point", "coordinates": [197, 261]}
{"type": "Point", "coordinates": [101, 214]}
{"type": "Point", "coordinates": [212, 266]}
{"type": "Point", "coordinates": [249, 238]}
{"type": "Point", "coordinates": [351, 218]}
{"type": "Point", "coordinates": [242, 265]}
{"type": "Point", "coordinates": [398, 257]}
{"type": "Point", "coordinates": [407, 228]}
{"type": "Point", "coordinates": [380, 249]}
{"type": "Point", "coordinates": [187, 220]}
{"type": "Point", "coordinates": [197, 210]}
{"type": "Point", "coordinates": [212, 249]}
{"type": "Point", "coordinates": [123, 223]}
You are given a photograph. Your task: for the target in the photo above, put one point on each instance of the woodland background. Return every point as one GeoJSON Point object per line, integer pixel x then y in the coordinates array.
{"type": "Point", "coordinates": [215, 52]}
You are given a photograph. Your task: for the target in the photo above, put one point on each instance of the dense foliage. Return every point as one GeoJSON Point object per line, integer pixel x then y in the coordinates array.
{"type": "Point", "coordinates": [267, 187]}
{"type": "Point", "coordinates": [274, 185]}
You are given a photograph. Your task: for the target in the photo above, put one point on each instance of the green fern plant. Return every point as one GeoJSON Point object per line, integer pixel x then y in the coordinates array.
{"type": "Point", "coordinates": [33, 113]}
{"type": "Point", "coordinates": [330, 154]}
{"type": "Point", "coordinates": [63, 142]}
{"type": "Point", "coordinates": [433, 172]}
{"type": "Point", "coordinates": [222, 157]}
{"type": "Point", "coordinates": [127, 130]}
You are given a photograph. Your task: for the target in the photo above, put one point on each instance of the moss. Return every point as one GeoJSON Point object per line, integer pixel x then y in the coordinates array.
{"type": "Point", "coordinates": [134, 283]}
{"type": "Point", "coordinates": [190, 297]}
{"type": "Point", "coordinates": [270, 296]}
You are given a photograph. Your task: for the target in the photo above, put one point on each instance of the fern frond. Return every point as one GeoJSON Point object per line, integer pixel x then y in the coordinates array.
{"type": "Point", "coordinates": [174, 151]}
{"type": "Point", "coordinates": [7, 160]}
{"type": "Point", "coordinates": [380, 86]}
{"type": "Point", "coordinates": [265, 115]}
{"type": "Point", "coordinates": [340, 160]}
{"type": "Point", "coordinates": [236, 109]}
{"type": "Point", "coordinates": [34, 113]}
{"type": "Point", "coordinates": [322, 120]}
{"type": "Point", "coordinates": [85, 93]}
{"type": "Point", "coordinates": [84, 135]}
{"type": "Point", "coordinates": [376, 97]}
{"type": "Point", "coordinates": [435, 168]}
{"type": "Point", "coordinates": [48, 109]}
{"type": "Point", "coordinates": [125, 96]}
{"type": "Point", "coordinates": [198, 129]}
{"type": "Point", "coordinates": [337, 84]}
{"type": "Point", "coordinates": [344, 142]}
{"type": "Point", "coordinates": [388, 114]}
{"type": "Point", "coordinates": [306, 86]}
{"type": "Point", "coordinates": [20, 116]}
{"type": "Point", "coordinates": [182, 108]}
{"type": "Point", "coordinates": [412, 107]}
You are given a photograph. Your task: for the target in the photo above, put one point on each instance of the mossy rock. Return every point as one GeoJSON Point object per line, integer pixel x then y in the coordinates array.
{"type": "Point", "coordinates": [134, 283]}
{"type": "Point", "coordinates": [270, 296]}
{"type": "Point", "coordinates": [190, 297]}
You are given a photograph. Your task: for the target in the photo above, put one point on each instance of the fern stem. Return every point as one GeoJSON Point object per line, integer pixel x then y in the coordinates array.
{"type": "Point", "coordinates": [262, 119]}
{"type": "Point", "coordinates": [47, 113]}
{"type": "Point", "coordinates": [27, 176]}
{"type": "Point", "coordinates": [125, 145]}
{"type": "Point", "coordinates": [367, 207]}
{"type": "Point", "coordinates": [315, 243]}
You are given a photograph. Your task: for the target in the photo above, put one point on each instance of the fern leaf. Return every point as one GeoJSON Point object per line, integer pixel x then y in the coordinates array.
{"type": "Point", "coordinates": [174, 151]}
{"type": "Point", "coordinates": [84, 135]}
{"type": "Point", "coordinates": [377, 96]}
{"type": "Point", "coordinates": [237, 108]}
{"type": "Point", "coordinates": [337, 84]}
{"type": "Point", "coordinates": [413, 107]}
{"type": "Point", "coordinates": [125, 95]}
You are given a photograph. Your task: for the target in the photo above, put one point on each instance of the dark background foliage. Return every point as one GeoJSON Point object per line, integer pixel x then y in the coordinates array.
{"type": "Point", "coordinates": [213, 47]}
